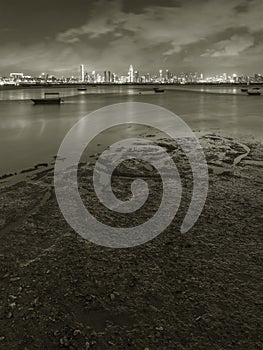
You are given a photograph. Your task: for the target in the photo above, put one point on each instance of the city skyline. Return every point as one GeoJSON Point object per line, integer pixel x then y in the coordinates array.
{"type": "Point", "coordinates": [83, 68]}
{"type": "Point", "coordinates": [208, 36]}
{"type": "Point", "coordinates": [132, 76]}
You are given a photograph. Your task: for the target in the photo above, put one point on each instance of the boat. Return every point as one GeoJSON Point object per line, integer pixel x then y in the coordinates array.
{"type": "Point", "coordinates": [82, 89]}
{"type": "Point", "coordinates": [158, 89]}
{"type": "Point", "coordinates": [50, 98]}
{"type": "Point", "coordinates": [244, 89]}
{"type": "Point", "coordinates": [256, 88]}
{"type": "Point", "coordinates": [254, 93]}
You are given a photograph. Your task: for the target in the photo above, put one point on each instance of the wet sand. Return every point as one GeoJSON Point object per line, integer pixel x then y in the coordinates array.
{"type": "Point", "coordinates": [196, 291]}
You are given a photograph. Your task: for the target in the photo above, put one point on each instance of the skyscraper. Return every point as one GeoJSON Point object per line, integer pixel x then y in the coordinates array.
{"type": "Point", "coordinates": [109, 77]}
{"type": "Point", "coordinates": [130, 74]}
{"type": "Point", "coordinates": [136, 76]}
{"type": "Point", "coordinates": [105, 76]}
{"type": "Point", "coordinates": [82, 73]}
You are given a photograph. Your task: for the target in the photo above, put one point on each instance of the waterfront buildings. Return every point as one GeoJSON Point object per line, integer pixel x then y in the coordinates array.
{"type": "Point", "coordinates": [133, 76]}
{"type": "Point", "coordinates": [82, 73]}
{"type": "Point", "coordinates": [130, 74]}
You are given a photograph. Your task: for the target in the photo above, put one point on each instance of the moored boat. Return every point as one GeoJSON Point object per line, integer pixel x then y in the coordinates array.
{"type": "Point", "coordinates": [50, 98]}
{"type": "Point", "coordinates": [244, 89]}
{"type": "Point", "coordinates": [82, 89]}
{"type": "Point", "coordinates": [254, 93]}
{"type": "Point", "coordinates": [158, 89]}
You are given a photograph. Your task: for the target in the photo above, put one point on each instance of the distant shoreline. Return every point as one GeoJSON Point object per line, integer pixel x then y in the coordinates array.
{"type": "Point", "coordinates": [39, 86]}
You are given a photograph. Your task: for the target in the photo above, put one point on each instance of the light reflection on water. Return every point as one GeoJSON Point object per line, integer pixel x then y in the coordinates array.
{"type": "Point", "coordinates": [32, 134]}
{"type": "Point", "coordinates": [27, 94]}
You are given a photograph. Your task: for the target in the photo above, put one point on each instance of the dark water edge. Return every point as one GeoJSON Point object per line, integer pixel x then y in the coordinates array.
{"type": "Point", "coordinates": [241, 147]}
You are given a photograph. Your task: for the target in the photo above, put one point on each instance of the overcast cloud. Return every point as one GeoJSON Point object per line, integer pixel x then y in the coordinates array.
{"type": "Point", "coordinates": [206, 36]}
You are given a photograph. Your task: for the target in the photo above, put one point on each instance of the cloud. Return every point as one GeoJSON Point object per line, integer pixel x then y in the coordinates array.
{"type": "Point", "coordinates": [41, 57]}
{"type": "Point", "coordinates": [178, 35]}
{"type": "Point", "coordinates": [233, 46]}
{"type": "Point", "coordinates": [101, 22]}
{"type": "Point", "coordinates": [177, 26]}
{"type": "Point", "coordinates": [69, 37]}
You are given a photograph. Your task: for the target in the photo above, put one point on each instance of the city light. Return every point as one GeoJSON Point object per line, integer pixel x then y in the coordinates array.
{"type": "Point", "coordinates": [133, 76]}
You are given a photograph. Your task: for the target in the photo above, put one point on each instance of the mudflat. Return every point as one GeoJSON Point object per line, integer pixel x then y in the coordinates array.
{"type": "Point", "coordinates": [199, 290]}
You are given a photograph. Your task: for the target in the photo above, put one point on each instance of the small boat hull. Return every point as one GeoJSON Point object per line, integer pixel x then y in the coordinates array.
{"type": "Point", "coordinates": [158, 90]}
{"type": "Point", "coordinates": [244, 90]}
{"type": "Point", "coordinates": [254, 93]}
{"type": "Point", "coordinates": [82, 89]}
{"type": "Point", "coordinates": [47, 101]}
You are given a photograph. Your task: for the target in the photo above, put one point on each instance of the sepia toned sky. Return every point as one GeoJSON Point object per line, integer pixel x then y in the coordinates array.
{"type": "Point", "coordinates": [207, 36]}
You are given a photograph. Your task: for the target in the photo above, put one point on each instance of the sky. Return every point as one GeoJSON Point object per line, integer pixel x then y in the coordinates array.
{"type": "Point", "coordinates": [205, 36]}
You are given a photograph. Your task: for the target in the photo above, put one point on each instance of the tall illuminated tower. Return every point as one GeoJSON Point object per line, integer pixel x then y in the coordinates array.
{"type": "Point", "coordinates": [82, 73]}
{"type": "Point", "coordinates": [131, 74]}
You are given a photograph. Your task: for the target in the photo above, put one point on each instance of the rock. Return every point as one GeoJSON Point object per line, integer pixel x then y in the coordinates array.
{"type": "Point", "coordinates": [35, 301]}
{"type": "Point", "coordinates": [9, 315]}
{"type": "Point", "coordinates": [64, 341]}
{"type": "Point", "coordinates": [14, 279]}
{"type": "Point", "coordinates": [76, 332]}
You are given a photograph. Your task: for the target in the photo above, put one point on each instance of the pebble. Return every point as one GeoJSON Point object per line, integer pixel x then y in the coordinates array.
{"type": "Point", "coordinates": [64, 341]}
{"type": "Point", "coordinates": [9, 315]}
{"type": "Point", "coordinates": [14, 279]}
{"type": "Point", "coordinates": [76, 332]}
{"type": "Point", "coordinates": [12, 305]}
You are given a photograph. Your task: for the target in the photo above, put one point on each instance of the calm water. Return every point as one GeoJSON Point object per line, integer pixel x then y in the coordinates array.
{"type": "Point", "coordinates": [31, 134]}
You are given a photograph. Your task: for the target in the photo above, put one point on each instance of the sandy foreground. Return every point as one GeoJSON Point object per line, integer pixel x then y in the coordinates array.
{"type": "Point", "coordinates": [201, 290]}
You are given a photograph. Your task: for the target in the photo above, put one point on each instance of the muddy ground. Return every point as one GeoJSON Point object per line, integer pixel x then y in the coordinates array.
{"type": "Point", "coordinates": [198, 291]}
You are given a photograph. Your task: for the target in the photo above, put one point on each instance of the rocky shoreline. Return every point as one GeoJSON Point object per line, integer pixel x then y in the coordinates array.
{"type": "Point", "coordinates": [195, 291]}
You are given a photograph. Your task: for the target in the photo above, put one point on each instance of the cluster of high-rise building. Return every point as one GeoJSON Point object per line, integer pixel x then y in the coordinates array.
{"type": "Point", "coordinates": [134, 77]}
{"type": "Point", "coordinates": [165, 77]}
{"type": "Point", "coordinates": [131, 77]}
